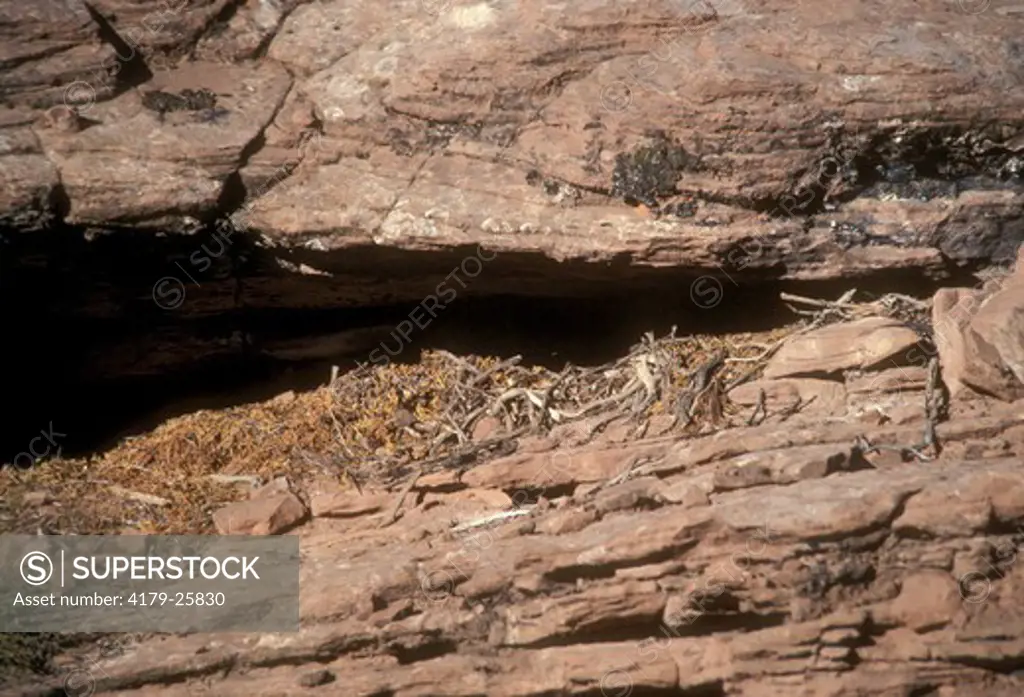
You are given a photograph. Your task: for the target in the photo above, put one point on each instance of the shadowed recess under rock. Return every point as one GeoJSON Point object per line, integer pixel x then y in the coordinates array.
{"type": "Point", "coordinates": [98, 318]}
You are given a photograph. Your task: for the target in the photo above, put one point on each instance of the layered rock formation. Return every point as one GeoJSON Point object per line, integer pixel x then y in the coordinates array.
{"type": "Point", "coordinates": [768, 138]}
{"type": "Point", "coordinates": [222, 179]}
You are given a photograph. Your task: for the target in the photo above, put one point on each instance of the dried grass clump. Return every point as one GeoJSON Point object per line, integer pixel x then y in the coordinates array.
{"type": "Point", "coordinates": [372, 426]}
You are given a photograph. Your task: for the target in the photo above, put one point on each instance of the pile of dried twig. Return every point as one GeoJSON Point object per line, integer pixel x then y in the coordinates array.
{"type": "Point", "coordinates": [434, 418]}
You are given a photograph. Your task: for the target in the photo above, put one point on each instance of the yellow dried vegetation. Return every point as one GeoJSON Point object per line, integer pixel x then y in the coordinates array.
{"type": "Point", "coordinates": [359, 429]}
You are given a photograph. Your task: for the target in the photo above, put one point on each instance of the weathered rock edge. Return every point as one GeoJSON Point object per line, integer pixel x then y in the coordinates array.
{"type": "Point", "coordinates": [895, 578]}
{"type": "Point", "coordinates": [800, 144]}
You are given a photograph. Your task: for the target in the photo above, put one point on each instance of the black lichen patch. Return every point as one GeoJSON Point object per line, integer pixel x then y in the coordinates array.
{"type": "Point", "coordinates": [560, 192]}
{"type": "Point", "coordinates": [850, 235]}
{"type": "Point", "coordinates": [680, 209]}
{"type": "Point", "coordinates": [820, 578]}
{"type": "Point", "coordinates": [933, 163]}
{"type": "Point", "coordinates": [22, 654]}
{"type": "Point", "coordinates": [919, 165]}
{"type": "Point", "coordinates": [186, 100]}
{"type": "Point", "coordinates": [26, 659]}
{"type": "Point", "coordinates": [651, 171]}
{"type": "Point", "coordinates": [941, 154]}
{"type": "Point", "coordinates": [400, 143]}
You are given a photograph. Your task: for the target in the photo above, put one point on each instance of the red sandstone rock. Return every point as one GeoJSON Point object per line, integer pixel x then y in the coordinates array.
{"type": "Point", "coordinates": [980, 334]}
{"type": "Point", "coordinates": [1000, 324]}
{"type": "Point", "coordinates": [267, 515]}
{"type": "Point", "coordinates": [416, 155]}
{"type": "Point", "coordinates": [870, 576]}
{"type": "Point", "coordinates": [861, 344]}
{"type": "Point", "coordinates": [820, 396]}
{"type": "Point", "coordinates": [750, 562]}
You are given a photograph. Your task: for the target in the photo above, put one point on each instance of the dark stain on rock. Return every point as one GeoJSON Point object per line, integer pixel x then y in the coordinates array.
{"type": "Point", "coordinates": [680, 209]}
{"type": "Point", "coordinates": [915, 165]}
{"type": "Point", "coordinates": [399, 143]}
{"type": "Point", "coordinates": [559, 191]}
{"type": "Point", "coordinates": [30, 655]}
{"type": "Point", "coordinates": [850, 235]}
{"type": "Point", "coordinates": [651, 171]}
{"type": "Point", "coordinates": [187, 100]}
{"type": "Point", "coordinates": [915, 190]}
{"type": "Point", "coordinates": [931, 158]}
{"type": "Point", "coordinates": [215, 115]}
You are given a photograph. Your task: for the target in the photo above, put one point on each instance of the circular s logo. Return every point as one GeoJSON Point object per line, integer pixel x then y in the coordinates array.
{"type": "Point", "coordinates": [79, 682]}
{"type": "Point", "coordinates": [79, 96]}
{"type": "Point", "coordinates": [437, 586]}
{"type": "Point", "coordinates": [36, 568]}
{"type": "Point", "coordinates": [706, 292]}
{"type": "Point", "coordinates": [973, 7]}
{"type": "Point", "coordinates": [616, 683]}
{"type": "Point", "coordinates": [616, 97]}
{"type": "Point", "coordinates": [169, 293]}
{"type": "Point", "coordinates": [974, 587]}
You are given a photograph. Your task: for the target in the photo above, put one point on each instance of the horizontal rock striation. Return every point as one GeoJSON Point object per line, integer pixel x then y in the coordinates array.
{"type": "Point", "coordinates": [831, 575]}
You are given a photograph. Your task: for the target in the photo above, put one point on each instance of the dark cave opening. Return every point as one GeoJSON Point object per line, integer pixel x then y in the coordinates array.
{"type": "Point", "coordinates": [90, 355]}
